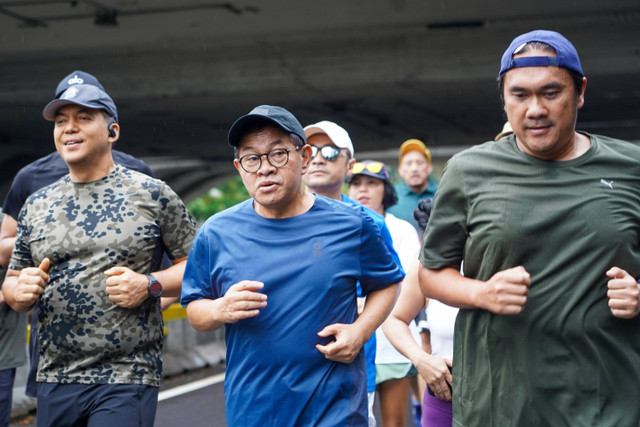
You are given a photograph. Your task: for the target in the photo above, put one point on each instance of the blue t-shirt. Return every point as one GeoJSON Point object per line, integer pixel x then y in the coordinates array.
{"type": "Point", "coordinates": [309, 264]}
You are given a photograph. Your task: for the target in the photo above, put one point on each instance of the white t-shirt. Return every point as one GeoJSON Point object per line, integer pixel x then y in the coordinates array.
{"type": "Point", "coordinates": [407, 245]}
{"type": "Point", "coordinates": [441, 320]}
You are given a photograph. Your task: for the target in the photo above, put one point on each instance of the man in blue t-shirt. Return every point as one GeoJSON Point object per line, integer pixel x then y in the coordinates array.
{"type": "Point", "coordinates": [279, 271]}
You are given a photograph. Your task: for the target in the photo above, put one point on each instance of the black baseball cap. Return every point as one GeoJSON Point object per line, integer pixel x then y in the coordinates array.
{"type": "Point", "coordinates": [276, 115]}
{"type": "Point", "coordinates": [85, 95]}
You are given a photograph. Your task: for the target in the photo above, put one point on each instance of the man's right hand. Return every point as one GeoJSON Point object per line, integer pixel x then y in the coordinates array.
{"type": "Point", "coordinates": [241, 301]}
{"type": "Point", "coordinates": [506, 291]}
{"type": "Point", "coordinates": [31, 283]}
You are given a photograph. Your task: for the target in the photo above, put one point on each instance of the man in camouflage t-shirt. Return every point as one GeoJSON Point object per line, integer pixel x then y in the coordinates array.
{"type": "Point", "coordinates": [85, 249]}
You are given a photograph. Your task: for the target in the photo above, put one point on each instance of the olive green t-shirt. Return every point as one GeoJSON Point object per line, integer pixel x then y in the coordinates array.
{"type": "Point", "coordinates": [566, 360]}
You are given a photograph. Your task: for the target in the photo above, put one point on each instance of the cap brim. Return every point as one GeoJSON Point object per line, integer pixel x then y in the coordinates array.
{"type": "Point", "coordinates": [50, 110]}
{"type": "Point", "coordinates": [313, 130]}
{"type": "Point", "coordinates": [367, 173]}
{"type": "Point", "coordinates": [237, 131]}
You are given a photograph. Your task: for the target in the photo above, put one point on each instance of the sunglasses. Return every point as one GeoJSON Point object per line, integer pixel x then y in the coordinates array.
{"type": "Point", "coordinates": [329, 152]}
{"type": "Point", "coordinates": [373, 167]}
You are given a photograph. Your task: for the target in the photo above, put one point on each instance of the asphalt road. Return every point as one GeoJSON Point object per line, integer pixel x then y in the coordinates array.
{"type": "Point", "coordinates": [202, 407]}
{"type": "Point", "coordinates": [193, 399]}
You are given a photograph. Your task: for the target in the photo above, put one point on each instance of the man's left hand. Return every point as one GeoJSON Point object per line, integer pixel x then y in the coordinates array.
{"type": "Point", "coordinates": [346, 346]}
{"type": "Point", "coordinates": [623, 293]}
{"type": "Point", "coordinates": [125, 287]}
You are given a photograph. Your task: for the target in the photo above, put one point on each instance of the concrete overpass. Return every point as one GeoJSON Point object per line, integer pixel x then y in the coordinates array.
{"type": "Point", "coordinates": [387, 70]}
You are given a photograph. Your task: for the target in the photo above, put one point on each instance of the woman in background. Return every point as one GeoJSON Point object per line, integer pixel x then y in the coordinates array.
{"type": "Point", "coordinates": [370, 185]}
{"type": "Point", "coordinates": [434, 362]}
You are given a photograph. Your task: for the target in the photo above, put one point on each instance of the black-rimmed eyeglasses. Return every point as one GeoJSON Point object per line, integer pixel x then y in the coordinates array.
{"type": "Point", "coordinates": [329, 152]}
{"type": "Point", "coordinates": [278, 157]}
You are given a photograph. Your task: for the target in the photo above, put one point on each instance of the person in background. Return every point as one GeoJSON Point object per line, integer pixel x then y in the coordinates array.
{"type": "Point", "coordinates": [87, 251]}
{"type": "Point", "coordinates": [506, 131]}
{"type": "Point", "coordinates": [414, 168]}
{"type": "Point", "coordinates": [279, 272]}
{"type": "Point", "coordinates": [547, 222]}
{"type": "Point", "coordinates": [13, 335]}
{"type": "Point", "coordinates": [370, 185]}
{"type": "Point", "coordinates": [434, 360]}
{"type": "Point", "coordinates": [332, 155]}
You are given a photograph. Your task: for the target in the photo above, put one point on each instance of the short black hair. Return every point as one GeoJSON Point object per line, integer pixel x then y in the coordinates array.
{"type": "Point", "coordinates": [390, 197]}
{"type": "Point", "coordinates": [108, 117]}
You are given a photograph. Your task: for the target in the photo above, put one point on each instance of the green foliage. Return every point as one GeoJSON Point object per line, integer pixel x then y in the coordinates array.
{"type": "Point", "coordinates": [222, 197]}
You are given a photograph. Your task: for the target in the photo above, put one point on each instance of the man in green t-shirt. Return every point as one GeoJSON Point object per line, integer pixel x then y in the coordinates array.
{"type": "Point", "coordinates": [547, 222]}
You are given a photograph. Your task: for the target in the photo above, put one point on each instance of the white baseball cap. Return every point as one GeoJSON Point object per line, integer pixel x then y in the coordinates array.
{"type": "Point", "coordinates": [336, 134]}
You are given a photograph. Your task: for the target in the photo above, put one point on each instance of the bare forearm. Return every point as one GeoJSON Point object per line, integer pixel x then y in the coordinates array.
{"type": "Point", "coordinates": [202, 314]}
{"type": "Point", "coordinates": [399, 335]}
{"type": "Point", "coordinates": [171, 278]}
{"type": "Point", "coordinates": [243, 300]}
{"type": "Point", "coordinates": [409, 304]}
{"type": "Point", "coordinates": [449, 286]}
{"type": "Point", "coordinates": [377, 307]}
{"type": "Point", "coordinates": [503, 293]}
{"type": "Point", "coordinates": [6, 246]}
{"type": "Point", "coordinates": [8, 230]}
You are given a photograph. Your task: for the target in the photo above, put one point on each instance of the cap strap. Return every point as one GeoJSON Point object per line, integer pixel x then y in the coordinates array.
{"type": "Point", "coordinates": [535, 61]}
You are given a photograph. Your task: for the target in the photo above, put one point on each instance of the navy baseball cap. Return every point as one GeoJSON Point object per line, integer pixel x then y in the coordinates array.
{"type": "Point", "coordinates": [371, 168]}
{"type": "Point", "coordinates": [567, 56]}
{"type": "Point", "coordinates": [77, 78]}
{"type": "Point", "coordinates": [276, 115]}
{"type": "Point", "coordinates": [85, 95]}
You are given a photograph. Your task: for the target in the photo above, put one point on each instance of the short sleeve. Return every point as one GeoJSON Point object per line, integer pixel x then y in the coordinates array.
{"type": "Point", "coordinates": [197, 282]}
{"type": "Point", "coordinates": [446, 233]}
{"type": "Point", "coordinates": [176, 223]}
{"type": "Point", "coordinates": [21, 255]}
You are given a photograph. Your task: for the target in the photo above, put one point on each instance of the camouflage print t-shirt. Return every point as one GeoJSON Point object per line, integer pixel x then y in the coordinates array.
{"type": "Point", "coordinates": [85, 229]}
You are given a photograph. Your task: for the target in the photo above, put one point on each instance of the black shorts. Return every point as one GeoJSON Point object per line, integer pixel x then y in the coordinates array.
{"type": "Point", "coordinates": [96, 405]}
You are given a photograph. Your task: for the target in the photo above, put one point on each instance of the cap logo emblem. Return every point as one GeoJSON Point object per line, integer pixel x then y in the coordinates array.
{"type": "Point", "coordinates": [261, 111]}
{"type": "Point", "coordinates": [69, 93]}
{"type": "Point", "coordinates": [75, 80]}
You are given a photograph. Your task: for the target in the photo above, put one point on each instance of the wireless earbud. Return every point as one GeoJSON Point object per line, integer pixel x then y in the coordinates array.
{"type": "Point", "coordinates": [112, 131]}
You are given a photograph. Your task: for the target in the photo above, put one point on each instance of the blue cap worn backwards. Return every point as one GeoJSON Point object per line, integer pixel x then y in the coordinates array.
{"type": "Point", "coordinates": [567, 56]}
{"type": "Point", "coordinates": [276, 115]}
{"type": "Point", "coordinates": [85, 95]}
